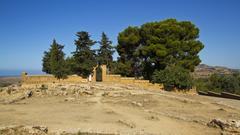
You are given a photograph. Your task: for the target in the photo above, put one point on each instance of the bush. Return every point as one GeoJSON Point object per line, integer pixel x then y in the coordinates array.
{"type": "Point", "coordinates": [173, 77]}
{"type": "Point", "coordinates": [227, 83]}
{"type": "Point", "coordinates": [219, 83]}
{"type": "Point", "coordinates": [202, 84]}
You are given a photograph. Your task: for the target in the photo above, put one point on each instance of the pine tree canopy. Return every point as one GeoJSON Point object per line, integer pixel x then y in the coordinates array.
{"type": "Point", "coordinates": [156, 45]}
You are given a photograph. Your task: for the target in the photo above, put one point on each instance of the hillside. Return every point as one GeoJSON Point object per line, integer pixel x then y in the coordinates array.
{"type": "Point", "coordinates": [203, 70]}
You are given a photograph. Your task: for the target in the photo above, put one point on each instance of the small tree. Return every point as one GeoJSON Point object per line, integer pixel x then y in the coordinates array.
{"type": "Point", "coordinates": [106, 50]}
{"type": "Point", "coordinates": [84, 57]}
{"type": "Point", "coordinates": [174, 77]}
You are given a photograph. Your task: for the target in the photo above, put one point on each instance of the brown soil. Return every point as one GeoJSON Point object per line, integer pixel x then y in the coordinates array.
{"type": "Point", "coordinates": [120, 109]}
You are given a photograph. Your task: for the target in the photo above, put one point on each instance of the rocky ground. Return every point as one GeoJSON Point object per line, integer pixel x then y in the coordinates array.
{"type": "Point", "coordinates": [111, 109]}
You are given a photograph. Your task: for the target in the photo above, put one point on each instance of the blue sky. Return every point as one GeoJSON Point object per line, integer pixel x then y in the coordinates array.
{"type": "Point", "coordinates": [27, 27]}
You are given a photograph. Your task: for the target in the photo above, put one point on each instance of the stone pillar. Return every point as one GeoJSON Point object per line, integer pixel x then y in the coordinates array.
{"type": "Point", "coordinates": [23, 76]}
{"type": "Point", "coordinates": [104, 72]}
{"type": "Point", "coordinates": [94, 74]}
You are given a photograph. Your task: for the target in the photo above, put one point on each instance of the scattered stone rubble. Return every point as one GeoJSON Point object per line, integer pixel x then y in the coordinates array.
{"type": "Point", "coordinates": [20, 97]}
{"type": "Point", "coordinates": [42, 130]}
{"type": "Point", "coordinates": [127, 123]}
{"type": "Point", "coordinates": [64, 90]}
{"type": "Point", "coordinates": [137, 104]}
{"type": "Point", "coordinates": [24, 130]}
{"type": "Point", "coordinates": [232, 126]}
{"type": "Point", "coordinates": [14, 93]}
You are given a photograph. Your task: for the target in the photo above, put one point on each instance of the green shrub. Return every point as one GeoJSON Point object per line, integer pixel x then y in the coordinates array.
{"type": "Point", "coordinates": [202, 84]}
{"type": "Point", "coordinates": [228, 83]}
{"type": "Point", "coordinates": [174, 77]}
{"type": "Point", "coordinates": [219, 83]}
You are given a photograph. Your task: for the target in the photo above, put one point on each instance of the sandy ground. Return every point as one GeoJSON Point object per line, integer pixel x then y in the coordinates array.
{"type": "Point", "coordinates": [127, 110]}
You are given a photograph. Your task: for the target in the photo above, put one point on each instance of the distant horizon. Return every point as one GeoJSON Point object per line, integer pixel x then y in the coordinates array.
{"type": "Point", "coordinates": [19, 72]}
{"type": "Point", "coordinates": [28, 27]}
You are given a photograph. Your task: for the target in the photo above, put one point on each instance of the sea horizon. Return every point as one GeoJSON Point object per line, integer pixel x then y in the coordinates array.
{"type": "Point", "coordinates": [17, 72]}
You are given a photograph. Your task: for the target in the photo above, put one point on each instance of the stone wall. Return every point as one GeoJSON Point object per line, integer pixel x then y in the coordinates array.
{"type": "Point", "coordinates": [48, 79]}
{"type": "Point", "coordinates": [109, 78]}
{"type": "Point", "coordinates": [133, 81]}
{"type": "Point", "coordinates": [114, 78]}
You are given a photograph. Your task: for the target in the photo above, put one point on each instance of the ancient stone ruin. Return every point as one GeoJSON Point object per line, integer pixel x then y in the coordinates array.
{"type": "Point", "coordinates": [99, 75]}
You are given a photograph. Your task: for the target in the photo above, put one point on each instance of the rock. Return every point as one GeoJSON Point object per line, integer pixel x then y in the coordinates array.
{"type": "Point", "coordinates": [229, 125]}
{"type": "Point", "coordinates": [234, 123]}
{"type": "Point", "coordinates": [72, 91]}
{"type": "Point", "coordinates": [128, 124]}
{"type": "Point", "coordinates": [29, 93]}
{"type": "Point", "coordinates": [69, 99]}
{"type": "Point", "coordinates": [221, 109]}
{"type": "Point", "coordinates": [105, 93]}
{"type": "Point", "coordinates": [18, 97]}
{"type": "Point", "coordinates": [65, 93]}
{"type": "Point", "coordinates": [24, 130]}
{"type": "Point", "coordinates": [137, 104]}
{"type": "Point", "coordinates": [41, 128]}
{"type": "Point", "coordinates": [87, 92]}
{"type": "Point", "coordinates": [218, 123]}
{"type": "Point", "coordinates": [152, 117]}
{"type": "Point", "coordinates": [9, 91]}
{"type": "Point", "coordinates": [63, 89]}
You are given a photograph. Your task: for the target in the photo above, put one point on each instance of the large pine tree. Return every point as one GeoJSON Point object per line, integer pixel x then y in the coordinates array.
{"type": "Point", "coordinates": [106, 51]}
{"type": "Point", "coordinates": [157, 45]}
{"type": "Point", "coordinates": [84, 57]}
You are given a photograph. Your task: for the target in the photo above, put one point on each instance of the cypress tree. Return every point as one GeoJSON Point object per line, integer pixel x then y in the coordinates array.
{"type": "Point", "coordinates": [106, 51]}
{"type": "Point", "coordinates": [58, 66]}
{"type": "Point", "coordinates": [46, 67]}
{"type": "Point", "coordinates": [84, 57]}
{"type": "Point", "coordinates": [54, 62]}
